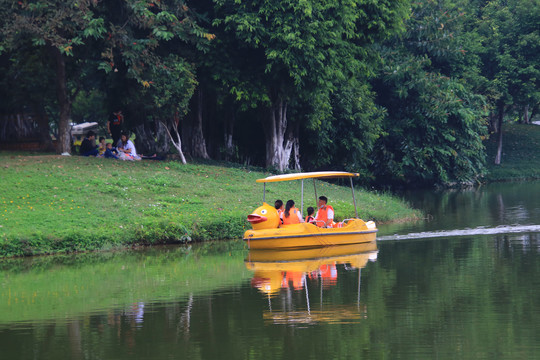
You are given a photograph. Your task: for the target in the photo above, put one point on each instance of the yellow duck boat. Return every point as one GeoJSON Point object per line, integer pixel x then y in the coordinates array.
{"type": "Point", "coordinates": [268, 233]}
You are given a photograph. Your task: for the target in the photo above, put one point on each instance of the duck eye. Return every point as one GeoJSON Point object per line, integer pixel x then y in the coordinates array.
{"type": "Point", "coordinates": [263, 211]}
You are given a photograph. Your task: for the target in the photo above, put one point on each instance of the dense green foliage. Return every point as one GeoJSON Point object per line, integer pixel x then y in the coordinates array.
{"type": "Point", "coordinates": [403, 92]}
{"type": "Point", "coordinates": [434, 123]}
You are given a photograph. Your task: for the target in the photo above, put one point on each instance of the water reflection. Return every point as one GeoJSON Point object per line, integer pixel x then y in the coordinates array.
{"type": "Point", "coordinates": [61, 287]}
{"type": "Point", "coordinates": [492, 206]}
{"type": "Point", "coordinates": [291, 279]}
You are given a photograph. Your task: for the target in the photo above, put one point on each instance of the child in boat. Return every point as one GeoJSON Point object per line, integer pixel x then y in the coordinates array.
{"type": "Point", "coordinates": [310, 218]}
{"type": "Point", "coordinates": [279, 207]}
{"type": "Point", "coordinates": [291, 215]}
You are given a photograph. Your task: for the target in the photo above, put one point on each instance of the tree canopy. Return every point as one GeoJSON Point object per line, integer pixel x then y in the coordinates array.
{"type": "Point", "coordinates": [403, 92]}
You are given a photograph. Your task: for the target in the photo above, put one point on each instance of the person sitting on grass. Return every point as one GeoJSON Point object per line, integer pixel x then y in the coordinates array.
{"type": "Point", "coordinates": [291, 215]}
{"type": "Point", "coordinates": [102, 146]}
{"type": "Point", "coordinates": [110, 152]}
{"type": "Point", "coordinates": [88, 145]}
{"type": "Point", "coordinates": [126, 148]}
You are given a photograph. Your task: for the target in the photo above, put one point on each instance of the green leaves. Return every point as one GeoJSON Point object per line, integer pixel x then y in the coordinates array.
{"type": "Point", "coordinates": [435, 122]}
{"type": "Point", "coordinates": [95, 28]}
{"type": "Point", "coordinates": [162, 33]}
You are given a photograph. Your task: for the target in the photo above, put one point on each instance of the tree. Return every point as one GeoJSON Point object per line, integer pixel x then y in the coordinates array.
{"type": "Point", "coordinates": [135, 43]}
{"type": "Point", "coordinates": [347, 138]}
{"type": "Point", "coordinates": [25, 89]}
{"type": "Point", "coordinates": [147, 56]}
{"type": "Point", "coordinates": [511, 41]}
{"type": "Point", "coordinates": [298, 51]}
{"type": "Point", "coordinates": [60, 27]}
{"type": "Point", "coordinates": [435, 123]}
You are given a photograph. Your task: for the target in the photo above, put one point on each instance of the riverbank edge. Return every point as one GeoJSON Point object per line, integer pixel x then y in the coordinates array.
{"type": "Point", "coordinates": [520, 154]}
{"type": "Point", "coordinates": [229, 225]}
{"type": "Point", "coordinates": [169, 234]}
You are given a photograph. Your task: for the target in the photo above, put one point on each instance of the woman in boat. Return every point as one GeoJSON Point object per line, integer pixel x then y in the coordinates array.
{"type": "Point", "coordinates": [291, 215]}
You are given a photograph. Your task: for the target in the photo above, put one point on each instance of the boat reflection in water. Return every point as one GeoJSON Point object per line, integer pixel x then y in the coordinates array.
{"type": "Point", "coordinates": [283, 275]}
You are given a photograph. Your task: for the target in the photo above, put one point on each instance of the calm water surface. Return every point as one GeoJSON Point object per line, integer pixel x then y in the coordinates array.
{"type": "Point", "coordinates": [465, 284]}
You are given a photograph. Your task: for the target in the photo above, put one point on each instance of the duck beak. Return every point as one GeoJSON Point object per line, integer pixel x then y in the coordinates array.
{"type": "Point", "coordinates": [255, 219]}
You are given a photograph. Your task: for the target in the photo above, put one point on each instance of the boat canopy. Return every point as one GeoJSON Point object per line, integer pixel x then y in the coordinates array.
{"type": "Point", "coordinates": [308, 175]}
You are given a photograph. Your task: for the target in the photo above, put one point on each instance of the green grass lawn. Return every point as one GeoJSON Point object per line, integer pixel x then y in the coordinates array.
{"type": "Point", "coordinates": [521, 154]}
{"type": "Point", "coordinates": [51, 203]}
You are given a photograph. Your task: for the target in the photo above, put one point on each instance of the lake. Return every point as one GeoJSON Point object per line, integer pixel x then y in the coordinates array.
{"type": "Point", "coordinates": [464, 283]}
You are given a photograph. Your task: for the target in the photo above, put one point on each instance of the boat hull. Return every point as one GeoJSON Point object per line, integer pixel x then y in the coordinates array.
{"type": "Point", "coordinates": [308, 235]}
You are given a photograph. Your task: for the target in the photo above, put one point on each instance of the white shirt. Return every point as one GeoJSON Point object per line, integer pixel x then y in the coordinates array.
{"type": "Point", "coordinates": [128, 146]}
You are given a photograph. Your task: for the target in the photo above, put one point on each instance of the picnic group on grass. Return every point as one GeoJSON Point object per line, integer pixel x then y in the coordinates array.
{"type": "Point", "coordinates": [124, 149]}
{"type": "Point", "coordinates": [121, 148]}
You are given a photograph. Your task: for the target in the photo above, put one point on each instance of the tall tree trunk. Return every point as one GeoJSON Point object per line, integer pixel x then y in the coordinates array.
{"type": "Point", "coordinates": [176, 139]}
{"type": "Point", "coordinates": [296, 154]}
{"type": "Point", "coordinates": [198, 143]}
{"type": "Point", "coordinates": [500, 115]}
{"type": "Point", "coordinates": [280, 139]}
{"type": "Point", "coordinates": [526, 118]}
{"type": "Point", "coordinates": [492, 122]}
{"type": "Point", "coordinates": [533, 113]}
{"type": "Point", "coordinates": [152, 138]}
{"type": "Point", "coordinates": [64, 127]}
{"type": "Point", "coordinates": [228, 135]}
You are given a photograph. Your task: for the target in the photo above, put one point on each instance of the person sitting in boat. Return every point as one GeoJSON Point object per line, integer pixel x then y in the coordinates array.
{"type": "Point", "coordinates": [291, 215]}
{"type": "Point", "coordinates": [310, 218]}
{"type": "Point", "coordinates": [325, 213]}
{"type": "Point", "coordinates": [279, 207]}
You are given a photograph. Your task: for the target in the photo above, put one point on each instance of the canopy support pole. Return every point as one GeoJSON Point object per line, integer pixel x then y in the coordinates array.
{"type": "Point", "coordinates": [302, 199]}
{"type": "Point", "coordinates": [353, 198]}
{"type": "Point", "coordinates": [316, 198]}
{"type": "Point", "coordinates": [264, 192]}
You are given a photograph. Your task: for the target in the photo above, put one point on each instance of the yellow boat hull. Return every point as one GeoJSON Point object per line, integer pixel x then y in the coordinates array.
{"type": "Point", "coordinates": [310, 259]}
{"type": "Point", "coordinates": [308, 235]}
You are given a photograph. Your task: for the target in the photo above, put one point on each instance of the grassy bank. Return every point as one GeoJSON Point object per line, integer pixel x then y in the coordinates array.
{"type": "Point", "coordinates": [54, 203]}
{"type": "Point", "coordinates": [521, 154]}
